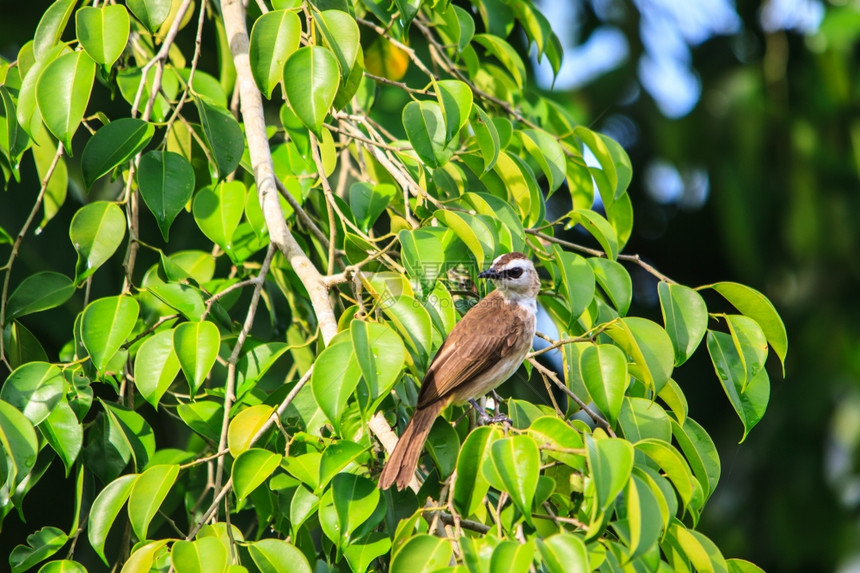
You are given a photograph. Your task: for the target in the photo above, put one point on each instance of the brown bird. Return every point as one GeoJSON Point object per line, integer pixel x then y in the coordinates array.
{"type": "Point", "coordinates": [483, 350]}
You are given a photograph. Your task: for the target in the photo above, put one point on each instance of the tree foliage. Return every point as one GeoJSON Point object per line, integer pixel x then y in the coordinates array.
{"type": "Point", "coordinates": [259, 288]}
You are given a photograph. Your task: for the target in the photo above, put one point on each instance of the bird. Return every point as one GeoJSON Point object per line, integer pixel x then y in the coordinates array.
{"type": "Point", "coordinates": [483, 350]}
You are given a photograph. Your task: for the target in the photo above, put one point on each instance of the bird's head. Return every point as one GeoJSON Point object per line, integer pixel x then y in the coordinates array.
{"type": "Point", "coordinates": [514, 275]}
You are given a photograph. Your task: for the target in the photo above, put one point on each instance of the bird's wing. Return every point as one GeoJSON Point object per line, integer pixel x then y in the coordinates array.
{"type": "Point", "coordinates": [475, 344]}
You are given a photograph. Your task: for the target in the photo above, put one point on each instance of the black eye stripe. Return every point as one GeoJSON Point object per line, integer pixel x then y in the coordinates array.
{"type": "Point", "coordinates": [512, 273]}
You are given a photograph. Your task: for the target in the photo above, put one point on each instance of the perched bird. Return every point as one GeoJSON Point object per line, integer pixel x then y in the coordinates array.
{"type": "Point", "coordinates": [483, 350]}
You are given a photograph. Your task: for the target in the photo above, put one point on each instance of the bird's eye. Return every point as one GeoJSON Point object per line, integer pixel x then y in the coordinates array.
{"type": "Point", "coordinates": [515, 273]}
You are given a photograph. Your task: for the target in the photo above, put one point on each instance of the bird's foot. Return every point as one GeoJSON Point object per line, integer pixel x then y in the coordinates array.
{"type": "Point", "coordinates": [484, 418]}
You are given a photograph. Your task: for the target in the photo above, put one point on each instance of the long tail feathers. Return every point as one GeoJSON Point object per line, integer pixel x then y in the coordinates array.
{"type": "Point", "coordinates": [400, 467]}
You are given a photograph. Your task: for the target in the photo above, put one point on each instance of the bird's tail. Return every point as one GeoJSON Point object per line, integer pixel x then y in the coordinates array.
{"type": "Point", "coordinates": [400, 467]}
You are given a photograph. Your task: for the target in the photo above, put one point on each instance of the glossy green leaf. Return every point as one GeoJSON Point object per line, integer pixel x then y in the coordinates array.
{"type": "Point", "coordinates": [311, 78]}
{"type": "Point", "coordinates": [477, 237]}
{"type": "Point", "coordinates": [151, 13]}
{"type": "Point", "coordinates": [642, 418]}
{"type": "Point", "coordinates": [337, 457]}
{"type": "Point", "coordinates": [334, 379]}
{"type": "Point", "coordinates": [512, 557]}
{"type": "Point", "coordinates": [748, 398]}
{"type": "Point", "coordinates": [505, 53]}
{"type": "Point", "coordinates": [218, 210]}
{"type": "Point", "coordinates": [251, 468]}
{"type": "Point", "coordinates": [380, 354]}
{"type": "Point", "coordinates": [13, 139]}
{"type": "Point", "coordinates": [342, 36]}
{"type": "Point", "coordinates": [223, 134]}
{"type": "Point", "coordinates": [422, 553]}
{"type": "Point", "coordinates": [44, 150]}
{"type": "Point", "coordinates": [599, 228]}
{"type": "Point", "coordinates": [18, 438]}
{"type": "Point", "coordinates": [147, 495]}
{"type": "Point", "coordinates": [132, 430]}
{"type": "Point", "coordinates": [141, 560]}
{"type": "Point", "coordinates": [412, 321]}
{"type": "Point", "coordinates": [685, 316]}
{"type": "Point", "coordinates": [21, 346]}
{"type": "Point", "coordinates": [471, 486]}
{"type": "Point", "coordinates": [700, 452]}
{"type": "Point", "coordinates": [114, 144]}
{"type": "Point", "coordinates": [614, 162]}
{"type": "Point", "coordinates": [204, 417]}
{"type": "Point", "coordinates": [750, 344]}
{"type": "Point", "coordinates": [105, 509]}
{"type": "Point", "coordinates": [369, 201]}
{"type": "Point", "coordinates": [276, 556]}
{"type": "Point", "coordinates": [184, 298]}
{"type": "Point", "coordinates": [245, 425]}
{"type": "Point", "coordinates": [702, 553]}
{"type": "Point", "coordinates": [196, 345]}
{"type": "Point", "coordinates": [35, 389]}
{"type": "Point", "coordinates": [63, 93]}
{"type": "Point", "coordinates": [103, 32]}
{"type": "Point", "coordinates": [755, 305]}
{"type": "Point", "coordinates": [155, 366]}
{"type": "Point", "coordinates": [455, 101]}
{"type": "Point", "coordinates": [353, 500]}
{"type": "Point", "coordinates": [40, 545]}
{"type": "Point", "coordinates": [578, 280]}
{"type": "Point", "coordinates": [742, 566]}
{"type": "Point", "coordinates": [424, 123]}
{"type": "Point", "coordinates": [545, 150]}
{"type": "Point", "coordinates": [615, 281]}
{"type": "Point", "coordinates": [105, 326]}
{"type": "Point", "coordinates": [648, 346]}
{"type": "Point", "coordinates": [166, 182]}
{"type": "Point", "coordinates": [302, 506]}
{"type": "Point", "coordinates": [443, 445]}
{"type": "Point", "coordinates": [51, 27]}
{"type": "Point", "coordinates": [361, 553]}
{"type": "Point", "coordinates": [97, 230]}
{"type": "Point", "coordinates": [564, 553]}
{"type": "Point", "coordinates": [515, 466]}
{"type": "Point", "coordinates": [204, 555]}
{"type": "Point", "coordinates": [557, 439]}
{"type": "Point", "coordinates": [421, 252]}
{"type": "Point", "coordinates": [610, 461]}
{"type": "Point", "coordinates": [62, 566]}
{"type": "Point", "coordinates": [673, 465]}
{"type": "Point", "coordinates": [64, 433]}
{"type": "Point", "coordinates": [38, 292]}
{"type": "Point", "coordinates": [643, 517]}
{"type": "Point", "coordinates": [274, 37]}
{"type": "Point", "coordinates": [487, 137]}
{"type": "Point", "coordinates": [604, 370]}
{"type": "Point", "coordinates": [254, 364]}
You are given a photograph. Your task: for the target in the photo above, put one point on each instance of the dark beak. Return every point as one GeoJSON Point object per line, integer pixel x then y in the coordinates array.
{"type": "Point", "coordinates": [489, 274]}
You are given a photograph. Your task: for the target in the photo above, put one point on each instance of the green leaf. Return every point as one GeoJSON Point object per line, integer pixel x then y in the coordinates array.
{"type": "Point", "coordinates": [113, 144]}
{"type": "Point", "coordinates": [424, 123]}
{"type": "Point", "coordinates": [64, 433]}
{"type": "Point", "coordinates": [206, 554]}
{"type": "Point", "coordinates": [578, 280]}
{"type": "Point", "coordinates": [44, 150]}
{"type": "Point", "coordinates": [455, 101]}
{"type": "Point", "coordinates": [421, 252]}
{"type": "Point", "coordinates": [563, 553]}
{"type": "Point", "coordinates": [649, 347]}
{"type": "Point", "coordinates": [748, 398]}
{"type": "Point", "coordinates": [196, 345]}
{"type": "Point", "coordinates": [105, 509]}
{"type": "Point", "coordinates": [311, 78]}
{"type": "Point", "coordinates": [277, 556]}
{"type": "Point", "coordinates": [413, 322]}
{"type": "Point", "coordinates": [51, 27]}
{"type": "Point", "coordinates": [408, 9]}
{"type": "Point", "coordinates": [251, 468]}
{"type": "Point", "coordinates": [369, 201]}
{"type": "Point", "coordinates": [700, 452]}
{"type": "Point", "coordinates": [422, 553]}
{"type": "Point", "coordinates": [380, 354]}
{"type": "Point", "coordinates": [103, 32]}
{"type": "Point", "coordinates": [559, 441]}
{"type": "Point", "coordinates": [18, 438]}
{"type": "Point", "coordinates": [155, 366]}
{"type": "Point", "coordinates": [151, 13]}
{"type": "Point", "coordinates": [63, 566]}
{"type": "Point", "coordinates": [615, 281]}
{"type": "Point", "coordinates": [35, 389]}
{"type": "Point", "coordinates": [685, 316]}
{"type": "Point", "coordinates": [750, 344]}
{"type": "Point", "coordinates": [486, 135]}
{"type": "Point", "coordinates": [610, 461]}
{"type": "Point", "coordinates": [274, 37]}
{"type": "Point", "coordinates": [512, 557]}
{"type": "Point", "coordinates": [643, 517]}
{"type": "Point", "coordinates": [204, 417]}
{"type": "Point", "coordinates": [38, 292]}
{"type": "Point", "coordinates": [471, 486]}
{"type": "Point", "coordinates": [361, 553]}
{"type": "Point", "coordinates": [472, 231]}
{"type": "Point", "coordinates": [40, 545]}
{"type": "Point", "coordinates": [699, 550]}
{"type": "Point", "coordinates": [302, 506]}
{"type": "Point", "coordinates": [503, 52]}
{"type": "Point", "coordinates": [105, 326]}
{"type": "Point", "coordinates": [353, 501]}
{"type": "Point", "coordinates": [742, 566]}
{"type": "Point", "coordinates": [245, 425]}
{"type": "Point", "coordinates": [336, 458]}
{"type": "Point", "coordinates": [342, 36]}
{"type": "Point", "coordinates": [334, 380]}
{"type": "Point", "coordinates": [63, 93]}
{"type": "Point", "coordinates": [147, 495]}
{"type": "Point", "coordinates": [545, 150]}
{"type": "Point", "coordinates": [184, 298]}
{"type": "Point", "coordinates": [755, 305]}
{"type": "Point", "coordinates": [132, 430]}
{"type": "Point", "coordinates": [223, 134]}
{"type": "Point", "coordinates": [599, 228]}
{"type": "Point", "coordinates": [443, 444]}
{"type": "Point", "coordinates": [22, 346]}
{"type": "Point", "coordinates": [141, 560]}
{"type": "Point", "coordinates": [613, 161]}
{"type": "Point", "coordinates": [257, 361]}
{"type": "Point", "coordinates": [515, 464]}
{"type": "Point", "coordinates": [218, 210]}
{"type": "Point", "coordinates": [166, 182]}
{"type": "Point", "coordinates": [642, 418]}
{"type": "Point", "coordinates": [604, 370]}
{"type": "Point", "coordinates": [97, 230]}
{"type": "Point", "coordinates": [672, 463]}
